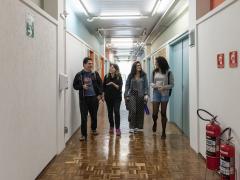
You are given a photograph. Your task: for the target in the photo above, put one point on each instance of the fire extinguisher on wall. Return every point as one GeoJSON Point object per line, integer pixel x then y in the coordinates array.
{"type": "Point", "coordinates": [227, 157]}
{"type": "Point", "coordinates": [213, 134]}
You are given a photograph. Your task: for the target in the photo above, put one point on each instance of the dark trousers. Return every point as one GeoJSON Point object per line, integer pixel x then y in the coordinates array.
{"type": "Point", "coordinates": [136, 112]}
{"type": "Point", "coordinates": [113, 105]}
{"type": "Point", "coordinates": [88, 104]}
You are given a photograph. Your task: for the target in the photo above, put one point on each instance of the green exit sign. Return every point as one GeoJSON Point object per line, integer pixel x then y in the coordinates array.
{"type": "Point", "coordinates": [30, 26]}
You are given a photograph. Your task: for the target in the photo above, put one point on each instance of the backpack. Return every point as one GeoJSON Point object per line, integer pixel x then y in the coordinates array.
{"type": "Point", "coordinates": [170, 90]}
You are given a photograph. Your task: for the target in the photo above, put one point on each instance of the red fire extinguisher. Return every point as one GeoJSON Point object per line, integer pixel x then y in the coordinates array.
{"type": "Point", "coordinates": [227, 158]}
{"type": "Point", "coordinates": [213, 133]}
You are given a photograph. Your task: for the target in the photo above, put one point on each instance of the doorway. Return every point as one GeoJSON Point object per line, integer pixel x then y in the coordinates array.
{"type": "Point", "coordinates": [179, 102]}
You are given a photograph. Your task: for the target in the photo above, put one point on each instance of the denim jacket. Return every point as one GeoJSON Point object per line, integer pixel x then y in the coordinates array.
{"type": "Point", "coordinates": [142, 88]}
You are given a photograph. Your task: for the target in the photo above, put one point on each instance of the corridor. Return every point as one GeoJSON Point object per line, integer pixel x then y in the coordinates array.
{"type": "Point", "coordinates": [143, 155]}
{"type": "Point", "coordinates": [43, 44]}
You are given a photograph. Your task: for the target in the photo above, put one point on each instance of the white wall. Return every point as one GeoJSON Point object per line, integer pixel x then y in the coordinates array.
{"type": "Point", "coordinates": [179, 26]}
{"type": "Point", "coordinates": [28, 93]}
{"type": "Point", "coordinates": [75, 52]}
{"type": "Point", "coordinates": [219, 88]}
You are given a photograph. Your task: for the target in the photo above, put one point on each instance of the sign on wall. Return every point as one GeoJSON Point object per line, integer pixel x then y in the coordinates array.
{"type": "Point", "coordinates": [30, 26]}
{"type": "Point", "coordinates": [220, 60]}
{"type": "Point", "coordinates": [233, 59]}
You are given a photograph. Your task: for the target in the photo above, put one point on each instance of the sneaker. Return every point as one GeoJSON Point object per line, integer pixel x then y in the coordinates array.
{"type": "Point", "coordinates": [135, 130]}
{"type": "Point", "coordinates": [111, 130]}
{"type": "Point", "coordinates": [118, 132]}
{"type": "Point", "coordinates": [83, 138]}
{"type": "Point", "coordinates": [154, 128]}
{"type": "Point", "coordinates": [131, 130]}
{"type": "Point", "coordinates": [94, 132]}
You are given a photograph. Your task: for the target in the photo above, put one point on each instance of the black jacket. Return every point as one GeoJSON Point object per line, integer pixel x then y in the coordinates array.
{"type": "Point", "coordinates": [96, 81]}
{"type": "Point", "coordinates": [110, 92]}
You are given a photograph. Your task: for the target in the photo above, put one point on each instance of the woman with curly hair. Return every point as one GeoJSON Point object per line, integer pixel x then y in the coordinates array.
{"type": "Point", "coordinates": [162, 83]}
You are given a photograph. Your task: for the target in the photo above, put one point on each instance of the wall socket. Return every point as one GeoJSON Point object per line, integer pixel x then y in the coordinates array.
{"type": "Point", "coordinates": [65, 130]}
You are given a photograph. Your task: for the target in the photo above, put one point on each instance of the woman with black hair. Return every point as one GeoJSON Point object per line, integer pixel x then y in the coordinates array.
{"type": "Point", "coordinates": [136, 93]}
{"type": "Point", "coordinates": [162, 83]}
{"type": "Point", "coordinates": [112, 89]}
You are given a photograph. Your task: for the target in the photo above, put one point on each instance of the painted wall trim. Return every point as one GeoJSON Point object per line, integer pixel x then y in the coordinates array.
{"type": "Point", "coordinates": [83, 42]}
{"type": "Point", "coordinates": [216, 10]}
{"type": "Point", "coordinates": [40, 11]}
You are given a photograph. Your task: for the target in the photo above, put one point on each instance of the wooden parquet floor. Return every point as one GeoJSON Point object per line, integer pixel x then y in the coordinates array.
{"type": "Point", "coordinates": [132, 156]}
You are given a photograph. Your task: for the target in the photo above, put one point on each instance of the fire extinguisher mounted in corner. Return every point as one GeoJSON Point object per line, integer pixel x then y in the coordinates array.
{"type": "Point", "coordinates": [220, 151]}
{"type": "Point", "coordinates": [213, 134]}
{"type": "Point", "coordinates": [227, 157]}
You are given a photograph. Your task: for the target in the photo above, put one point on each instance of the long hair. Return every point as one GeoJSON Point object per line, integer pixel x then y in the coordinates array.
{"type": "Point", "coordinates": [134, 70]}
{"type": "Point", "coordinates": [117, 73]}
{"type": "Point", "coordinates": [163, 66]}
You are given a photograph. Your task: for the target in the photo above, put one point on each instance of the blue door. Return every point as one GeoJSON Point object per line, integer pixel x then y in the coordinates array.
{"type": "Point", "coordinates": [179, 102]}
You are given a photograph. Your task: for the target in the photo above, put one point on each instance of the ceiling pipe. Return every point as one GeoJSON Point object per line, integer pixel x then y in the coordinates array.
{"type": "Point", "coordinates": [84, 7]}
{"type": "Point", "coordinates": [155, 7]}
{"type": "Point", "coordinates": [173, 3]}
{"type": "Point", "coordinates": [179, 14]}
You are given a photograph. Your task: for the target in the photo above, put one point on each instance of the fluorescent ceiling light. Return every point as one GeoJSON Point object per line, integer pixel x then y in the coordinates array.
{"type": "Point", "coordinates": [126, 56]}
{"type": "Point", "coordinates": [122, 17]}
{"type": "Point", "coordinates": [119, 28]}
{"type": "Point", "coordinates": [117, 17]}
{"type": "Point", "coordinates": [123, 13]}
{"type": "Point", "coordinates": [122, 54]}
{"type": "Point", "coordinates": [124, 59]}
{"type": "Point", "coordinates": [122, 45]}
{"type": "Point", "coordinates": [130, 40]}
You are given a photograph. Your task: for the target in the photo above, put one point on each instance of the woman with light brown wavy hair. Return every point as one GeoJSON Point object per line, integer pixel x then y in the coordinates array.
{"type": "Point", "coordinates": [112, 88]}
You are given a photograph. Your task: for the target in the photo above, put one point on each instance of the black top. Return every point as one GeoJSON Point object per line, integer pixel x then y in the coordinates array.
{"type": "Point", "coordinates": [110, 91]}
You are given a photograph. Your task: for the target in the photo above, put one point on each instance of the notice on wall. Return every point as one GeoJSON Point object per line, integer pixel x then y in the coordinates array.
{"type": "Point", "coordinates": [233, 59]}
{"type": "Point", "coordinates": [30, 26]}
{"type": "Point", "coordinates": [220, 60]}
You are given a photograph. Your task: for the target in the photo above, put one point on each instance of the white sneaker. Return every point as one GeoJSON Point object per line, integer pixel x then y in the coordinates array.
{"type": "Point", "coordinates": [131, 130]}
{"type": "Point", "coordinates": [135, 130]}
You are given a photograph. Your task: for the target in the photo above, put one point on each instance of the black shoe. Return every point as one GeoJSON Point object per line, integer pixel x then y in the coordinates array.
{"type": "Point", "coordinates": [83, 138]}
{"type": "Point", "coordinates": [163, 136]}
{"type": "Point", "coordinates": [154, 128]}
{"type": "Point", "coordinates": [94, 132]}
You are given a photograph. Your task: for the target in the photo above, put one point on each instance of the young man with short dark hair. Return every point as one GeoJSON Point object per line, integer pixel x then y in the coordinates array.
{"type": "Point", "coordinates": [89, 85]}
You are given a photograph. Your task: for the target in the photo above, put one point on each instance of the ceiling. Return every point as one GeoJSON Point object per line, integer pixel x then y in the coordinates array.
{"type": "Point", "coordinates": [151, 17]}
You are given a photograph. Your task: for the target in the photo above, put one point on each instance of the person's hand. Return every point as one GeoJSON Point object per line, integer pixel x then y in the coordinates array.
{"type": "Point", "coordinates": [99, 97]}
{"type": "Point", "coordinates": [146, 98]}
{"type": "Point", "coordinates": [153, 85]}
{"type": "Point", "coordinates": [103, 99]}
{"type": "Point", "coordinates": [110, 83]}
{"type": "Point", "coordinates": [85, 86]}
{"type": "Point", "coordinates": [161, 88]}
